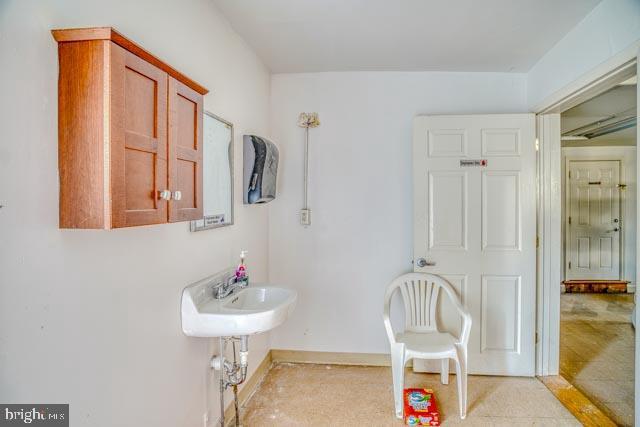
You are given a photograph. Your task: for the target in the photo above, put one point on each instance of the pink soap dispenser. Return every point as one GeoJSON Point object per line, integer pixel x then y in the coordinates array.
{"type": "Point", "coordinates": [241, 270]}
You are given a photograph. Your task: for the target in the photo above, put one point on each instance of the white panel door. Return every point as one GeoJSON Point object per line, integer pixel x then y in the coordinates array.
{"type": "Point", "coordinates": [593, 220]}
{"type": "Point", "coordinates": [474, 224]}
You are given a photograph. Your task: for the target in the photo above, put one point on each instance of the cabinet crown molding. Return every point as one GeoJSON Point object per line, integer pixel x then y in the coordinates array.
{"type": "Point", "coordinates": [109, 33]}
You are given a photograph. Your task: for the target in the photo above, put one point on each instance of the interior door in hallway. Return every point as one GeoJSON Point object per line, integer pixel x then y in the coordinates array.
{"type": "Point", "coordinates": [593, 220]}
{"type": "Point", "coordinates": [475, 225]}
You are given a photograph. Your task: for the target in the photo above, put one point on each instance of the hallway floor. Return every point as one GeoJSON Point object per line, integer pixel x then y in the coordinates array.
{"type": "Point", "coordinates": [332, 395]}
{"type": "Point", "coordinates": [597, 350]}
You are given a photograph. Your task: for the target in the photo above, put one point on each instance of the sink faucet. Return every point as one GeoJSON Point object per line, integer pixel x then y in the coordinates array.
{"type": "Point", "coordinates": [227, 287]}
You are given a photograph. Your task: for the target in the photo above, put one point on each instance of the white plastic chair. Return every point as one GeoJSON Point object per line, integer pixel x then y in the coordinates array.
{"type": "Point", "coordinates": [421, 338]}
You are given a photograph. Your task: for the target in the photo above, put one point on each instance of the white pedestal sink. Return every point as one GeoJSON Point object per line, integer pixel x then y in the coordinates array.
{"type": "Point", "coordinates": [257, 308]}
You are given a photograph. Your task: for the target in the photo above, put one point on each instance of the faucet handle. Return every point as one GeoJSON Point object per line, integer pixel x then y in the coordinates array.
{"type": "Point", "coordinates": [220, 289]}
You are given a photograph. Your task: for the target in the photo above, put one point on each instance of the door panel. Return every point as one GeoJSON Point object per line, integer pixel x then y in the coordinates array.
{"type": "Point", "coordinates": [500, 314]}
{"type": "Point", "coordinates": [185, 152]}
{"type": "Point", "coordinates": [448, 213]}
{"type": "Point", "coordinates": [500, 210]}
{"type": "Point", "coordinates": [447, 142]}
{"type": "Point", "coordinates": [476, 222]}
{"type": "Point", "coordinates": [500, 142]}
{"type": "Point", "coordinates": [593, 223]}
{"type": "Point", "coordinates": [138, 106]}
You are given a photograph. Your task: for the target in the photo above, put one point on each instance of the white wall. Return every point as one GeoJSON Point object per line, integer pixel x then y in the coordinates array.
{"type": "Point", "coordinates": [611, 27]}
{"type": "Point", "coordinates": [628, 176]}
{"type": "Point", "coordinates": [360, 192]}
{"type": "Point", "coordinates": [91, 318]}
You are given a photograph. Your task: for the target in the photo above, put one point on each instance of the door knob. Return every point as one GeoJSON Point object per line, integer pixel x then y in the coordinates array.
{"type": "Point", "coordinates": [164, 195]}
{"type": "Point", "coordinates": [177, 195]}
{"type": "Point", "coordinates": [424, 263]}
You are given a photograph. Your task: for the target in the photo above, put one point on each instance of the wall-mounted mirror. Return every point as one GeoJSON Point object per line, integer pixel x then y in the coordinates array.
{"type": "Point", "coordinates": [217, 170]}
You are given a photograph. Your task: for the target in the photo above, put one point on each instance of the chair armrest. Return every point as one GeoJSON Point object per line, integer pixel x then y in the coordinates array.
{"type": "Point", "coordinates": [466, 327]}
{"type": "Point", "coordinates": [387, 321]}
{"type": "Point", "coordinates": [463, 339]}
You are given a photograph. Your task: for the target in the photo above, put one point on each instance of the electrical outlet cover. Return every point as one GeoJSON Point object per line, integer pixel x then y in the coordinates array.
{"type": "Point", "coordinates": [305, 216]}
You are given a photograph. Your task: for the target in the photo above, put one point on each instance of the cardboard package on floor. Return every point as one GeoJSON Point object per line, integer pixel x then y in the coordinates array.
{"type": "Point", "coordinates": [420, 407]}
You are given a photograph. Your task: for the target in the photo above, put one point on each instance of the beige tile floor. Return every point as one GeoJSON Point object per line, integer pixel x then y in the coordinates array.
{"type": "Point", "coordinates": [597, 350]}
{"type": "Point", "coordinates": [331, 395]}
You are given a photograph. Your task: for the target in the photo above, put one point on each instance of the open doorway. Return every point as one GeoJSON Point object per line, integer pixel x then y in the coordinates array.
{"type": "Point", "coordinates": [597, 337]}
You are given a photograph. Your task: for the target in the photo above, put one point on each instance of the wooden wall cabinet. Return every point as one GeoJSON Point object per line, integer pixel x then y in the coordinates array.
{"type": "Point", "coordinates": [129, 134]}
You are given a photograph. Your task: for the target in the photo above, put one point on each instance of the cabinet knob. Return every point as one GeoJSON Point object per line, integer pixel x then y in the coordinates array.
{"type": "Point", "coordinates": [164, 195]}
{"type": "Point", "coordinates": [177, 195]}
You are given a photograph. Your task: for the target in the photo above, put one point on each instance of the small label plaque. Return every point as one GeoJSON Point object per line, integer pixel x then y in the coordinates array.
{"type": "Point", "coordinates": [476, 163]}
{"type": "Point", "coordinates": [213, 219]}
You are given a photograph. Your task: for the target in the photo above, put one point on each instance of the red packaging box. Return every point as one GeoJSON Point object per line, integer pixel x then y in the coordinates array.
{"type": "Point", "coordinates": [420, 407]}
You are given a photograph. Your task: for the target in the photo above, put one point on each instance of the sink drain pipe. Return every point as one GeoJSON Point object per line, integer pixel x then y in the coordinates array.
{"type": "Point", "coordinates": [231, 373]}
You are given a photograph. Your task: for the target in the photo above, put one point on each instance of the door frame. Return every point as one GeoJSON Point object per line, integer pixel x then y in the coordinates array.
{"type": "Point", "coordinates": [608, 74]}
{"type": "Point", "coordinates": [621, 203]}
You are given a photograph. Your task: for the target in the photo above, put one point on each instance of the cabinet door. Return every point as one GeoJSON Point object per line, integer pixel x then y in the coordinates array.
{"type": "Point", "coordinates": [138, 141]}
{"type": "Point", "coordinates": [185, 152]}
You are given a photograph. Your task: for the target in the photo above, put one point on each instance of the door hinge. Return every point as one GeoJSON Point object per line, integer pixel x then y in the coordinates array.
{"type": "Point", "coordinates": [537, 339]}
{"type": "Point", "coordinates": [569, 220]}
{"type": "Point", "coordinates": [569, 265]}
{"type": "Point", "coordinates": [569, 174]}
{"type": "Point", "coordinates": [537, 242]}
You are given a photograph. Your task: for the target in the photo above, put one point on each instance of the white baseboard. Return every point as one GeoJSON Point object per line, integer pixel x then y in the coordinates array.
{"type": "Point", "coordinates": [330, 358]}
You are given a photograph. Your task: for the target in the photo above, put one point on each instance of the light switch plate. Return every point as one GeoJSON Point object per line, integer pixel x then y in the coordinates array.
{"type": "Point", "coordinates": [305, 216]}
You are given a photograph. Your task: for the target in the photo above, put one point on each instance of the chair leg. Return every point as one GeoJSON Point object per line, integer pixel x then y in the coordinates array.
{"type": "Point", "coordinates": [444, 371]}
{"type": "Point", "coordinates": [461, 378]}
{"type": "Point", "coordinates": [397, 367]}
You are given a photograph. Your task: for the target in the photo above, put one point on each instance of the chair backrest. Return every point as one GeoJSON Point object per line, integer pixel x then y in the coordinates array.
{"type": "Point", "coordinates": [420, 296]}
